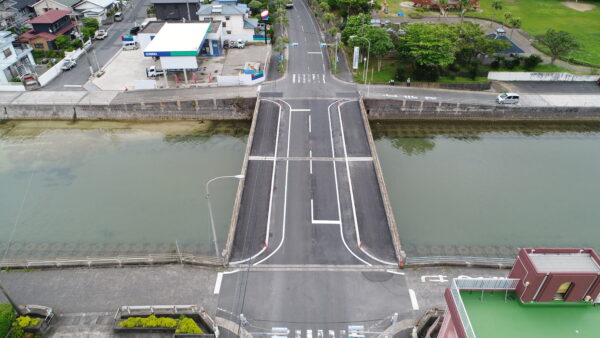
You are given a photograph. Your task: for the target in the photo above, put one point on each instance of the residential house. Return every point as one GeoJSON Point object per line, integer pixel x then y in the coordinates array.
{"type": "Point", "coordinates": [46, 28]}
{"type": "Point", "coordinates": [25, 8]}
{"type": "Point", "coordinates": [97, 9]}
{"type": "Point", "coordinates": [15, 58]}
{"type": "Point", "coordinates": [234, 20]}
{"type": "Point", "coordinates": [44, 6]}
{"type": "Point", "coordinates": [7, 13]}
{"type": "Point", "coordinates": [176, 10]}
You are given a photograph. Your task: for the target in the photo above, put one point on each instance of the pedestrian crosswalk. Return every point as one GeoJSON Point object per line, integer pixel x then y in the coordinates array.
{"type": "Point", "coordinates": [316, 333]}
{"type": "Point", "coordinates": [308, 78]}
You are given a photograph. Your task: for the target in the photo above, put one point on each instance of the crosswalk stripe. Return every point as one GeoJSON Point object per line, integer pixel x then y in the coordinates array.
{"type": "Point", "coordinates": [293, 78]}
{"type": "Point", "coordinates": [308, 333]}
{"type": "Point", "coordinates": [331, 334]}
{"type": "Point", "coordinates": [298, 333]}
{"type": "Point", "coordinates": [308, 78]}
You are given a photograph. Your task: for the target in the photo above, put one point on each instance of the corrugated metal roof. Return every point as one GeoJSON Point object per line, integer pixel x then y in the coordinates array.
{"type": "Point", "coordinates": [224, 10]}
{"type": "Point", "coordinates": [576, 262]}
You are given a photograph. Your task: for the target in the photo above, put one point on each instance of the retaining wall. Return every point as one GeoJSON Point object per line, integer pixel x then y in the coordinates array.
{"type": "Point", "coordinates": [231, 109]}
{"type": "Point", "coordinates": [425, 110]}
{"type": "Point", "coordinates": [525, 76]}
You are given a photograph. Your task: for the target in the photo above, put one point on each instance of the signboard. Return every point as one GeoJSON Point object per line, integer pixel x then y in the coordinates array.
{"type": "Point", "coordinates": [355, 58]}
{"type": "Point", "coordinates": [188, 53]}
{"type": "Point", "coordinates": [127, 38]}
{"type": "Point", "coordinates": [260, 37]}
{"type": "Point", "coordinates": [264, 15]}
{"type": "Point", "coordinates": [400, 14]}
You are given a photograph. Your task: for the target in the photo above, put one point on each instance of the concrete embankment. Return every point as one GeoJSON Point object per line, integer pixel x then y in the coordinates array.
{"type": "Point", "coordinates": [209, 109]}
{"type": "Point", "coordinates": [390, 109]}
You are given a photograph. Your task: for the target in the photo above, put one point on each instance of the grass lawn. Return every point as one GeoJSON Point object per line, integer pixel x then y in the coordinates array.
{"type": "Point", "coordinates": [394, 7]}
{"type": "Point", "coordinates": [539, 15]}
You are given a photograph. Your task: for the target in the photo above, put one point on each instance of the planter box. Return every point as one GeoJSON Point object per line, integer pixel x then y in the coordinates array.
{"type": "Point", "coordinates": [36, 311]}
{"type": "Point", "coordinates": [195, 317]}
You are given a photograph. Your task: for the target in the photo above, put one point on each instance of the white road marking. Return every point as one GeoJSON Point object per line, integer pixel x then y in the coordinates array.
{"type": "Point", "coordinates": [299, 109]}
{"type": "Point", "coordinates": [324, 78]}
{"type": "Point", "coordinates": [320, 333]}
{"type": "Point", "coordinates": [331, 334]}
{"type": "Point", "coordinates": [273, 175]}
{"type": "Point", "coordinates": [287, 168]}
{"type": "Point", "coordinates": [218, 283]}
{"type": "Point", "coordinates": [319, 221]}
{"type": "Point", "coordinates": [303, 78]}
{"type": "Point", "coordinates": [322, 159]}
{"type": "Point", "coordinates": [352, 191]}
{"type": "Point", "coordinates": [310, 162]}
{"type": "Point", "coordinates": [314, 76]}
{"type": "Point", "coordinates": [315, 53]}
{"type": "Point", "coordinates": [298, 334]}
{"type": "Point", "coordinates": [309, 124]}
{"type": "Point", "coordinates": [293, 78]}
{"type": "Point", "coordinates": [308, 333]}
{"type": "Point", "coordinates": [395, 272]}
{"type": "Point", "coordinates": [337, 190]}
{"type": "Point", "coordinates": [413, 299]}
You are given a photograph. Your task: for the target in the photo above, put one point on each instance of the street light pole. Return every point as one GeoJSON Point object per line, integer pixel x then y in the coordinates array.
{"type": "Point", "coordinates": [212, 220]}
{"type": "Point", "coordinates": [14, 305]}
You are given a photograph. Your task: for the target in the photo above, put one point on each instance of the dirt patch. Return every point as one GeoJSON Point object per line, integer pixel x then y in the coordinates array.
{"type": "Point", "coordinates": [578, 6]}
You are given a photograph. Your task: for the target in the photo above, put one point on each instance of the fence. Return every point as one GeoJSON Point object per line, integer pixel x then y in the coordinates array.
{"type": "Point", "coordinates": [489, 284]}
{"type": "Point", "coordinates": [150, 259]}
{"type": "Point", "coordinates": [462, 311]}
{"type": "Point", "coordinates": [498, 262]}
{"type": "Point", "coordinates": [525, 76]}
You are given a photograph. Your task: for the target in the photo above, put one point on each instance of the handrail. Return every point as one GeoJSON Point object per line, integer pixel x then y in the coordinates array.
{"type": "Point", "coordinates": [462, 311]}
{"type": "Point", "coordinates": [504, 284]}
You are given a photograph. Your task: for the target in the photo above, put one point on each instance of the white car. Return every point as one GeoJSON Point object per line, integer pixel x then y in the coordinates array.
{"type": "Point", "coordinates": [68, 64]}
{"type": "Point", "coordinates": [508, 98]}
{"type": "Point", "coordinates": [101, 34]}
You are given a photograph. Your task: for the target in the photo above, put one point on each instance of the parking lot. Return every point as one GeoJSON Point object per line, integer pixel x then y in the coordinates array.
{"type": "Point", "coordinates": [129, 66]}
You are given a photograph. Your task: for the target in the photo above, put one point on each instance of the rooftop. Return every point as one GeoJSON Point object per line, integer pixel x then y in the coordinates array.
{"type": "Point", "coordinates": [563, 262]}
{"type": "Point", "coordinates": [170, 39]}
{"type": "Point", "coordinates": [153, 27]}
{"type": "Point", "coordinates": [493, 317]}
{"type": "Point", "coordinates": [50, 16]}
{"type": "Point", "coordinates": [221, 9]}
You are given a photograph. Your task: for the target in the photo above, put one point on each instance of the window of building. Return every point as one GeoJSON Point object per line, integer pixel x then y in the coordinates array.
{"type": "Point", "coordinates": [38, 45]}
{"type": "Point", "coordinates": [7, 52]}
{"type": "Point", "coordinates": [224, 24]}
{"type": "Point", "coordinates": [227, 18]}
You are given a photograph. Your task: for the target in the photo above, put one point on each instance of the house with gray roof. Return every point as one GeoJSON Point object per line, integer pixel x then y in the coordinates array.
{"type": "Point", "coordinates": [176, 10]}
{"type": "Point", "coordinates": [44, 6]}
{"type": "Point", "coordinates": [235, 23]}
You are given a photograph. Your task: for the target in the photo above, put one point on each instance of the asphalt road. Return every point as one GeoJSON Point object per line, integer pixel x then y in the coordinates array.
{"type": "Point", "coordinates": [102, 50]}
{"type": "Point", "coordinates": [311, 199]}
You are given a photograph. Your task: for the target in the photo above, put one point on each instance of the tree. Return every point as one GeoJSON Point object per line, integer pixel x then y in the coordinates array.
{"type": "Point", "coordinates": [496, 6]}
{"type": "Point", "coordinates": [464, 6]}
{"type": "Point", "coordinates": [514, 23]}
{"type": "Point", "coordinates": [88, 32]}
{"type": "Point", "coordinates": [91, 22]}
{"type": "Point", "coordinates": [430, 45]}
{"type": "Point", "coordinates": [63, 42]}
{"type": "Point", "coordinates": [442, 5]}
{"type": "Point", "coordinates": [472, 42]}
{"type": "Point", "coordinates": [507, 17]}
{"type": "Point", "coordinates": [324, 6]}
{"type": "Point", "coordinates": [559, 43]}
{"type": "Point", "coordinates": [328, 17]}
{"type": "Point", "coordinates": [381, 43]}
{"type": "Point", "coordinates": [255, 6]}
{"type": "Point", "coordinates": [355, 26]}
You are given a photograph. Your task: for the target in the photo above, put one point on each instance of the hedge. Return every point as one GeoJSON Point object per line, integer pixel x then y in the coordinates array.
{"type": "Point", "coordinates": [183, 324]}
{"type": "Point", "coordinates": [7, 316]}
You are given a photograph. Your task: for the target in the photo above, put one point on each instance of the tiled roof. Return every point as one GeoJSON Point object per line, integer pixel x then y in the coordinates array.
{"type": "Point", "coordinates": [50, 16]}
{"type": "Point", "coordinates": [32, 34]}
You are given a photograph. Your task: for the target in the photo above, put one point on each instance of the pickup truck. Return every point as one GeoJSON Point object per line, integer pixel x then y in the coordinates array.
{"type": "Point", "coordinates": [101, 34]}
{"type": "Point", "coordinates": [154, 72]}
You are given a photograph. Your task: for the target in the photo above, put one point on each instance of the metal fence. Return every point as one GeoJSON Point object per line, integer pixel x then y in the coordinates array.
{"type": "Point", "coordinates": [503, 284]}
{"type": "Point", "coordinates": [462, 311]}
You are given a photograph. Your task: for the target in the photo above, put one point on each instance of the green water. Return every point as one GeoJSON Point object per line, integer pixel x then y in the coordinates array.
{"type": "Point", "coordinates": [486, 190]}
{"type": "Point", "coordinates": [105, 188]}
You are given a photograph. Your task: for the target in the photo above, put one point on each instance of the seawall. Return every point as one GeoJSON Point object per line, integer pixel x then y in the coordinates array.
{"type": "Point", "coordinates": [213, 109]}
{"type": "Point", "coordinates": [389, 109]}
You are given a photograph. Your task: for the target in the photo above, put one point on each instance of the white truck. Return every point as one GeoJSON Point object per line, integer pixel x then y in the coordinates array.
{"type": "Point", "coordinates": [154, 71]}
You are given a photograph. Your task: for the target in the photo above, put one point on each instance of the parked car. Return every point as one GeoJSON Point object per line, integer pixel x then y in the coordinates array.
{"type": "Point", "coordinates": [236, 44]}
{"type": "Point", "coordinates": [508, 98]}
{"type": "Point", "coordinates": [134, 30]}
{"type": "Point", "coordinates": [118, 16]}
{"type": "Point", "coordinates": [101, 34]}
{"type": "Point", "coordinates": [68, 64]}
{"type": "Point", "coordinates": [289, 4]}
{"type": "Point", "coordinates": [130, 45]}
{"type": "Point", "coordinates": [154, 72]}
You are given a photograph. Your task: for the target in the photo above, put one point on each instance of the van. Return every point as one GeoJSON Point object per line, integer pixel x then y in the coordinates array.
{"type": "Point", "coordinates": [130, 45]}
{"type": "Point", "coordinates": [118, 16]}
{"type": "Point", "coordinates": [508, 98]}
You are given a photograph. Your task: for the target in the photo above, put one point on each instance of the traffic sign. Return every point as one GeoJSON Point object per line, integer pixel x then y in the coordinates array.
{"type": "Point", "coordinates": [264, 15]}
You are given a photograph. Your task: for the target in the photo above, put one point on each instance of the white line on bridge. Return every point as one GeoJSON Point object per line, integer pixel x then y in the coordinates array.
{"type": "Point", "coordinates": [413, 299]}
{"type": "Point", "coordinates": [299, 109]}
{"type": "Point", "coordinates": [314, 52]}
{"type": "Point", "coordinates": [310, 154]}
{"type": "Point", "coordinates": [309, 124]}
{"type": "Point", "coordinates": [220, 280]}
{"type": "Point", "coordinates": [320, 221]}
{"type": "Point", "coordinates": [395, 272]}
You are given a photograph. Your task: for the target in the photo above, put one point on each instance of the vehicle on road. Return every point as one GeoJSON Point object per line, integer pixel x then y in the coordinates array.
{"type": "Point", "coordinates": [68, 64]}
{"type": "Point", "coordinates": [134, 30]}
{"type": "Point", "coordinates": [118, 16]}
{"type": "Point", "coordinates": [236, 44]}
{"type": "Point", "coordinates": [130, 45]}
{"type": "Point", "coordinates": [154, 71]}
{"type": "Point", "coordinates": [508, 98]}
{"type": "Point", "coordinates": [289, 5]}
{"type": "Point", "coordinates": [101, 34]}
{"type": "Point", "coordinates": [598, 81]}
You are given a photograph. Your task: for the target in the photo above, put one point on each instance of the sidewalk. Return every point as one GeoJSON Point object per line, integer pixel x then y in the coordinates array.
{"type": "Point", "coordinates": [520, 38]}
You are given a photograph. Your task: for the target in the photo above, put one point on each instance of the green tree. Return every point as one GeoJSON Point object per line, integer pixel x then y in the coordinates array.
{"type": "Point", "coordinates": [464, 6]}
{"type": "Point", "coordinates": [328, 17]}
{"type": "Point", "coordinates": [88, 32]}
{"type": "Point", "coordinates": [472, 42]}
{"type": "Point", "coordinates": [381, 43]}
{"type": "Point", "coordinates": [91, 22]}
{"type": "Point", "coordinates": [514, 23]}
{"type": "Point", "coordinates": [63, 42]}
{"type": "Point", "coordinates": [255, 6]}
{"type": "Point", "coordinates": [507, 17]}
{"type": "Point", "coordinates": [430, 45]}
{"type": "Point", "coordinates": [355, 26]}
{"type": "Point", "coordinates": [324, 6]}
{"type": "Point", "coordinates": [559, 43]}
{"type": "Point", "coordinates": [496, 6]}
{"type": "Point", "coordinates": [442, 5]}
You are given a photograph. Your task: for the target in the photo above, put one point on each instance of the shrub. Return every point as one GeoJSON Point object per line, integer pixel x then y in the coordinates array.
{"type": "Point", "coordinates": [510, 63]}
{"type": "Point", "coordinates": [187, 325]}
{"type": "Point", "coordinates": [400, 74]}
{"type": "Point", "coordinates": [15, 79]}
{"type": "Point", "coordinates": [151, 321]}
{"type": "Point", "coordinates": [7, 316]}
{"type": "Point", "coordinates": [532, 61]}
{"type": "Point", "coordinates": [425, 73]}
{"type": "Point", "coordinates": [415, 15]}
{"type": "Point", "coordinates": [495, 64]}
{"type": "Point", "coordinates": [26, 321]}
{"type": "Point", "coordinates": [16, 332]}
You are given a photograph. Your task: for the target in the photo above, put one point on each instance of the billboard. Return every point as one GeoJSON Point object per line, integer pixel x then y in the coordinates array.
{"type": "Point", "coordinates": [355, 58]}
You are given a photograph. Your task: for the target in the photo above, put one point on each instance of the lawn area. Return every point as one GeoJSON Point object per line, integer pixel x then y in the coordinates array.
{"type": "Point", "coordinates": [539, 15]}
{"type": "Point", "coordinates": [387, 72]}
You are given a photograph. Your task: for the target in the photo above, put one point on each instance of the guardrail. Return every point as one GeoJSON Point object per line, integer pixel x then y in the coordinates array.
{"type": "Point", "coordinates": [504, 284]}
{"type": "Point", "coordinates": [496, 262]}
{"type": "Point", "coordinates": [150, 259]}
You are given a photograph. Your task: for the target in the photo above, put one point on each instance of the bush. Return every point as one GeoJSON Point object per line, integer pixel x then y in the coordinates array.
{"type": "Point", "coordinates": [415, 15]}
{"type": "Point", "coordinates": [511, 63]}
{"type": "Point", "coordinates": [151, 321]}
{"type": "Point", "coordinates": [7, 316]}
{"type": "Point", "coordinates": [16, 332]}
{"type": "Point", "coordinates": [26, 321]}
{"type": "Point", "coordinates": [400, 74]}
{"type": "Point", "coordinates": [495, 64]}
{"type": "Point", "coordinates": [425, 73]}
{"type": "Point", "coordinates": [187, 325]}
{"type": "Point", "coordinates": [532, 61]}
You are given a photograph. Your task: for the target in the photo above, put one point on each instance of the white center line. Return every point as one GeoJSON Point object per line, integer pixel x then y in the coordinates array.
{"type": "Point", "coordinates": [309, 124]}
{"type": "Point", "coordinates": [413, 299]}
{"type": "Point", "coordinates": [314, 52]}
{"type": "Point", "coordinates": [310, 155]}
{"type": "Point", "coordinates": [299, 109]}
{"type": "Point", "coordinates": [293, 78]}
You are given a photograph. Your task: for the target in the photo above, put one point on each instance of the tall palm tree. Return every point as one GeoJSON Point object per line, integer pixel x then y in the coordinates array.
{"type": "Point", "coordinates": [514, 23]}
